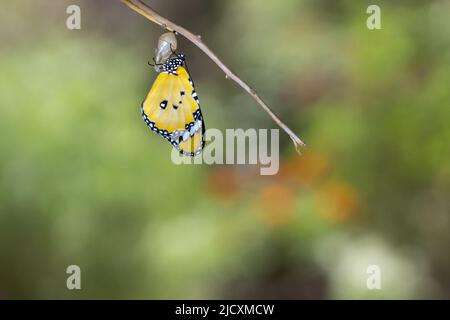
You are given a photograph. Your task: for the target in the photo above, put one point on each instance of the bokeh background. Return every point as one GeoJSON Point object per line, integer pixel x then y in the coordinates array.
{"type": "Point", "coordinates": [83, 181]}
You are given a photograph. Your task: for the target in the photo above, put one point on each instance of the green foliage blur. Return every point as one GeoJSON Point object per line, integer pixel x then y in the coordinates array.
{"type": "Point", "coordinates": [83, 181]}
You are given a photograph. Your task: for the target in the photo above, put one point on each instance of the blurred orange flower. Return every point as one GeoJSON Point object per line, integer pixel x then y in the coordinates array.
{"type": "Point", "coordinates": [338, 202]}
{"type": "Point", "coordinates": [276, 204]}
{"type": "Point", "coordinates": [223, 182]}
{"type": "Point", "coordinates": [306, 169]}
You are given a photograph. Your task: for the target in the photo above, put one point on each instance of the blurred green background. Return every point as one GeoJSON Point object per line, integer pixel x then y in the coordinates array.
{"type": "Point", "coordinates": [83, 181]}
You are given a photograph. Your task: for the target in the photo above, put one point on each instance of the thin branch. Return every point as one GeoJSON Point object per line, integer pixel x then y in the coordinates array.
{"type": "Point", "coordinates": [153, 16]}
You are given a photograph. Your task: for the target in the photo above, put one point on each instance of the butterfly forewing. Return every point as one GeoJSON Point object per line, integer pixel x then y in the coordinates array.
{"type": "Point", "coordinates": [172, 110]}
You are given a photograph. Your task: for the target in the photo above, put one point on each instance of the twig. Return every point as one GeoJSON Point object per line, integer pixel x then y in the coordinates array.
{"type": "Point", "coordinates": [153, 16]}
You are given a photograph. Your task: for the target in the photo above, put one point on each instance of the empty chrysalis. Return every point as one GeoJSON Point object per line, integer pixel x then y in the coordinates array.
{"type": "Point", "coordinates": [167, 44]}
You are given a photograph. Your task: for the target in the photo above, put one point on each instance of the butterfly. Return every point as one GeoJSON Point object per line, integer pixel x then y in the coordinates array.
{"type": "Point", "coordinates": [172, 108]}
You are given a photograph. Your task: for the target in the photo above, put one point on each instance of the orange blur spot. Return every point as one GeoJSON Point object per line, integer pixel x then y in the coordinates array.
{"type": "Point", "coordinates": [276, 204]}
{"type": "Point", "coordinates": [306, 169]}
{"type": "Point", "coordinates": [338, 202]}
{"type": "Point", "coordinates": [223, 183]}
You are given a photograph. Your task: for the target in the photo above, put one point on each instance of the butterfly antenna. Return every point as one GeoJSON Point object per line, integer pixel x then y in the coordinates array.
{"type": "Point", "coordinates": [155, 64]}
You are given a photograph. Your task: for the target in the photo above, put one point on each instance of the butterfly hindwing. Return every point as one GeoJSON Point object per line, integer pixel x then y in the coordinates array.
{"type": "Point", "coordinates": [172, 109]}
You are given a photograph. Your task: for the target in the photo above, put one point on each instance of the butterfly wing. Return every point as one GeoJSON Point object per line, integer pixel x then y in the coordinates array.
{"type": "Point", "coordinates": [172, 110]}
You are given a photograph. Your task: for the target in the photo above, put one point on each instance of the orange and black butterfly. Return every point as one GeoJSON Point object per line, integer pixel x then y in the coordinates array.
{"type": "Point", "coordinates": [172, 108]}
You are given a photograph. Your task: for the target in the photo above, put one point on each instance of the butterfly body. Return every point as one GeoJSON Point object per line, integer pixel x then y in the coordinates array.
{"type": "Point", "coordinates": [172, 108]}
